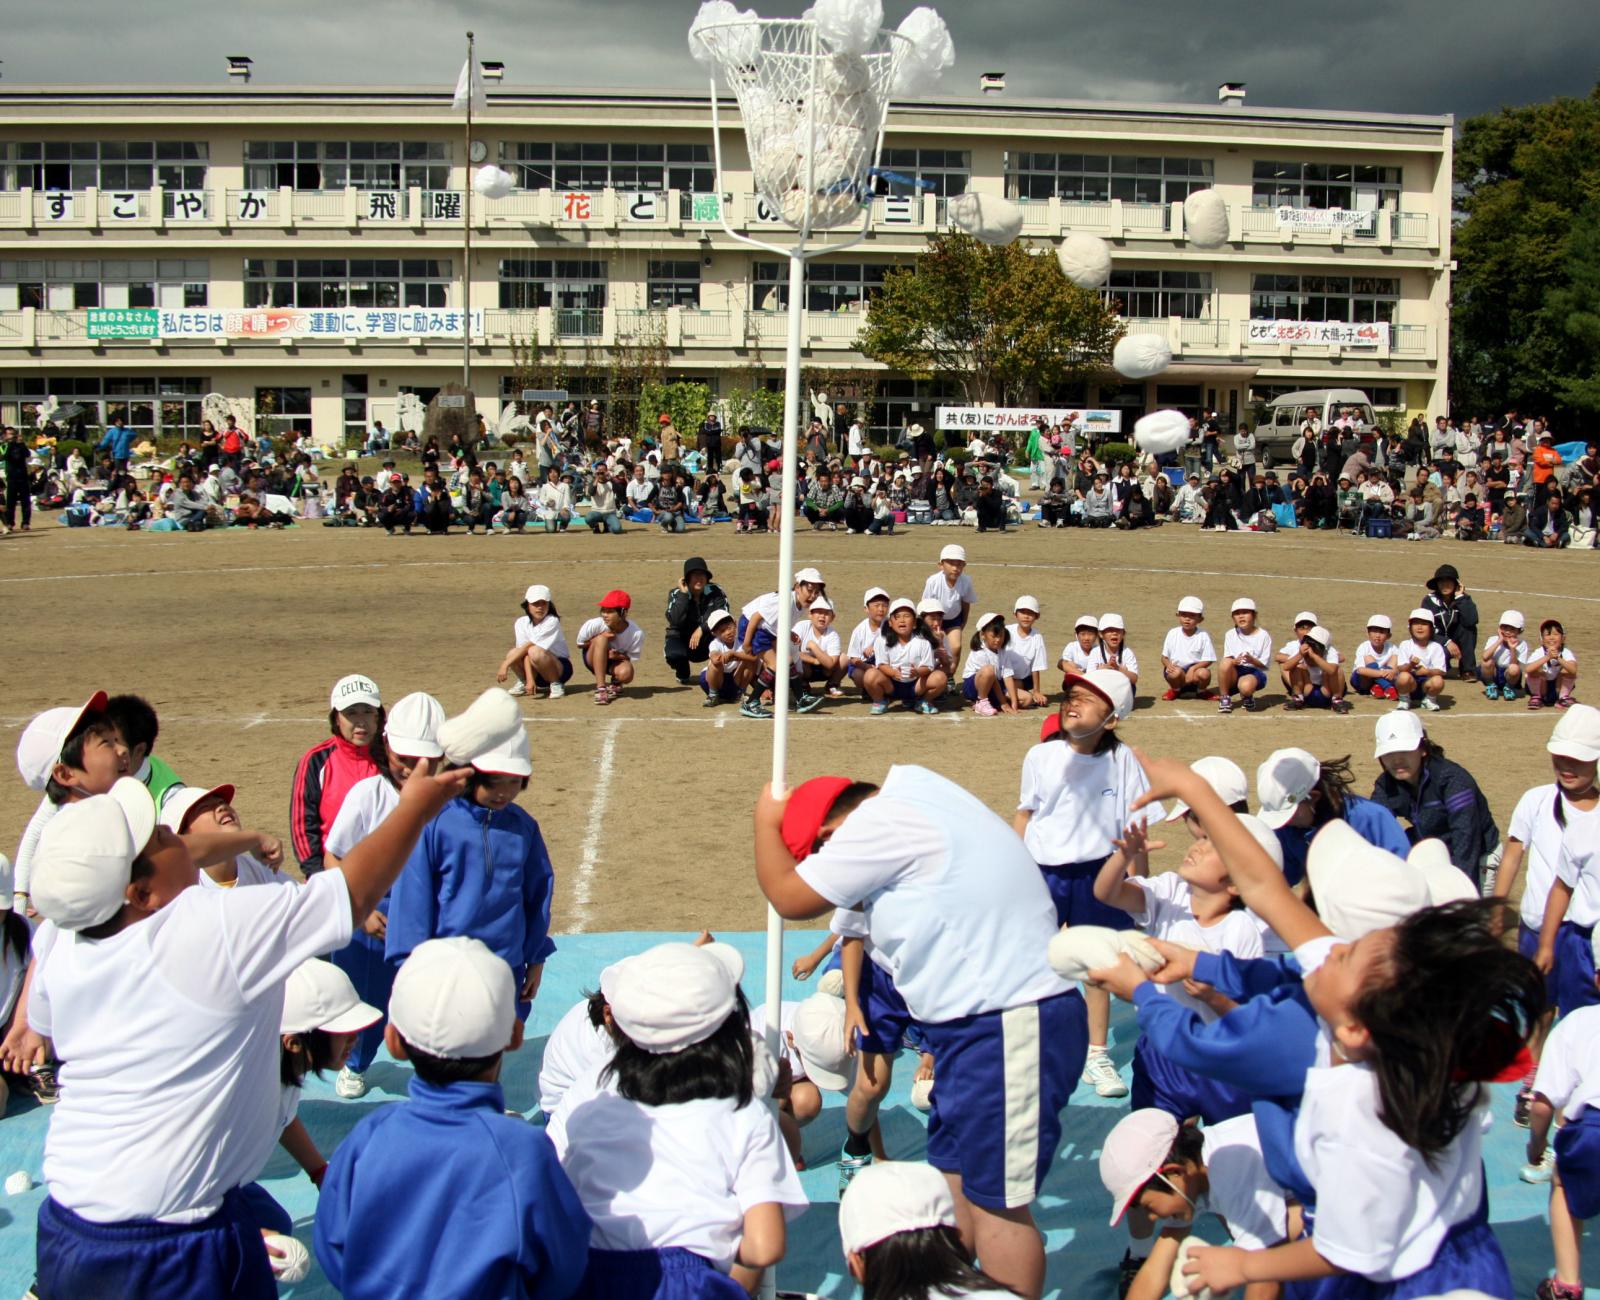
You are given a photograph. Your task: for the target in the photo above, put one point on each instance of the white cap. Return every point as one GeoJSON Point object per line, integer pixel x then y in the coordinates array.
{"type": "Point", "coordinates": [894, 1197]}
{"type": "Point", "coordinates": [180, 802]}
{"type": "Point", "coordinates": [819, 1039]}
{"type": "Point", "coordinates": [1321, 636]}
{"type": "Point", "coordinates": [1027, 603]}
{"type": "Point", "coordinates": [1086, 620]}
{"type": "Point", "coordinates": [318, 995]}
{"type": "Point", "coordinates": [1243, 605]}
{"type": "Point", "coordinates": [1283, 782]}
{"type": "Point", "coordinates": [536, 592]}
{"type": "Point", "coordinates": [812, 576]}
{"type": "Point", "coordinates": [874, 593]}
{"type": "Point", "coordinates": [86, 852]}
{"type": "Point", "coordinates": [900, 603]}
{"type": "Point", "coordinates": [1577, 735]}
{"type": "Point", "coordinates": [731, 958]}
{"type": "Point", "coordinates": [669, 997]}
{"type": "Point", "coordinates": [509, 758]}
{"type": "Point", "coordinates": [353, 690]}
{"type": "Point", "coordinates": [455, 999]}
{"type": "Point", "coordinates": [858, 482]}
{"type": "Point", "coordinates": [1109, 685]}
{"type": "Point", "coordinates": [1513, 618]}
{"type": "Point", "coordinates": [39, 749]}
{"type": "Point", "coordinates": [1359, 887]}
{"type": "Point", "coordinates": [1447, 883]}
{"type": "Point", "coordinates": [717, 617]}
{"type": "Point", "coordinates": [1398, 733]}
{"type": "Point", "coordinates": [1191, 605]}
{"type": "Point", "coordinates": [1305, 616]}
{"type": "Point", "coordinates": [1420, 615]}
{"type": "Point", "coordinates": [1381, 620]}
{"type": "Point", "coordinates": [985, 619]}
{"type": "Point", "coordinates": [1112, 623]}
{"type": "Point", "coordinates": [1265, 836]}
{"type": "Point", "coordinates": [1133, 1152]}
{"type": "Point", "coordinates": [953, 552]}
{"type": "Point", "coordinates": [412, 728]}
{"type": "Point", "coordinates": [1223, 775]}
{"type": "Point", "coordinates": [929, 606]}
{"type": "Point", "coordinates": [821, 602]}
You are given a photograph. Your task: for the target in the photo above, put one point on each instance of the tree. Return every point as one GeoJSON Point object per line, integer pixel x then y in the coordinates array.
{"type": "Point", "coordinates": [1574, 311]}
{"type": "Point", "coordinates": [1004, 322]}
{"type": "Point", "coordinates": [1522, 177]}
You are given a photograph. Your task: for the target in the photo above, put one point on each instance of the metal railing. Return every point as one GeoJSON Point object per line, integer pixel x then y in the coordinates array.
{"type": "Point", "coordinates": [579, 322]}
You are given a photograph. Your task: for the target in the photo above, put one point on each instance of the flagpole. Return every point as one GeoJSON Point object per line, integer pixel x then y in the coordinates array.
{"type": "Point", "coordinates": [466, 236]}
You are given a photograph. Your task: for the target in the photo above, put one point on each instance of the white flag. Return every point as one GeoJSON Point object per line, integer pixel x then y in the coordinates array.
{"type": "Point", "coordinates": [469, 85]}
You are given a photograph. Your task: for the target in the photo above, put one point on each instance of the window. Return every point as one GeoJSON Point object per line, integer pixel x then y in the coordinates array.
{"type": "Point", "coordinates": [337, 282]}
{"type": "Point", "coordinates": [571, 284]}
{"type": "Point", "coordinates": [674, 284]}
{"type": "Point", "coordinates": [353, 391]}
{"type": "Point", "coordinates": [1358, 299]}
{"type": "Point", "coordinates": [1325, 185]}
{"type": "Point", "coordinates": [283, 410]}
{"type": "Point", "coordinates": [1160, 293]}
{"type": "Point", "coordinates": [106, 164]}
{"type": "Point", "coordinates": [829, 287]}
{"type": "Point", "coordinates": [1380, 396]}
{"type": "Point", "coordinates": [170, 404]}
{"type": "Point", "coordinates": [334, 164]}
{"type": "Point", "coordinates": [74, 285]}
{"type": "Point", "coordinates": [902, 402]}
{"type": "Point", "coordinates": [569, 166]}
{"type": "Point", "coordinates": [947, 171]}
{"type": "Point", "coordinates": [1097, 178]}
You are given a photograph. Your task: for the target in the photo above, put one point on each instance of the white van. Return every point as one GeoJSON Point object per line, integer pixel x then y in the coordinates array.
{"type": "Point", "coordinates": [1277, 432]}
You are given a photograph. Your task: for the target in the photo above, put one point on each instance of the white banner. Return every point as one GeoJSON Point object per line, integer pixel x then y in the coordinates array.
{"type": "Point", "coordinates": [1372, 334]}
{"type": "Point", "coordinates": [1014, 419]}
{"type": "Point", "coordinates": [1325, 218]}
{"type": "Point", "coordinates": [312, 323]}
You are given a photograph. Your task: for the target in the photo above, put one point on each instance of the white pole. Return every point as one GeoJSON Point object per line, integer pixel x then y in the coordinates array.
{"type": "Point", "coordinates": [466, 243]}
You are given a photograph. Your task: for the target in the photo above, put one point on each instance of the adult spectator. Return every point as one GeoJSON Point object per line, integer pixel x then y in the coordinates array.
{"type": "Point", "coordinates": [604, 512]}
{"type": "Point", "coordinates": [1244, 447]}
{"type": "Point", "coordinates": [377, 439]}
{"type": "Point", "coordinates": [15, 453]}
{"type": "Point", "coordinates": [1455, 619]}
{"type": "Point", "coordinates": [824, 502]}
{"type": "Point", "coordinates": [117, 443]}
{"type": "Point", "coordinates": [855, 440]}
{"type": "Point", "coordinates": [1585, 470]}
{"type": "Point", "coordinates": [1222, 509]}
{"type": "Point", "coordinates": [1546, 460]}
{"type": "Point", "coordinates": [395, 508]}
{"type": "Point", "coordinates": [641, 491]}
{"type": "Point", "coordinates": [594, 425]}
{"type": "Point", "coordinates": [709, 441]}
{"type": "Point", "coordinates": [1210, 441]}
{"type": "Point", "coordinates": [1549, 525]}
{"type": "Point", "coordinates": [688, 605]}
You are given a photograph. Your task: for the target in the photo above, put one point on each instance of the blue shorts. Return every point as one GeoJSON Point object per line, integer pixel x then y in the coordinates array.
{"type": "Point", "coordinates": [264, 1211]}
{"type": "Point", "coordinates": [763, 640]}
{"type": "Point", "coordinates": [955, 624]}
{"type": "Point", "coordinates": [668, 1274]}
{"type": "Point", "coordinates": [1317, 698]}
{"type": "Point", "coordinates": [1577, 1144]}
{"type": "Point", "coordinates": [219, 1256]}
{"type": "Point", "coordinates": [905, 692]}
{"type": "Point", "coordinates": [566, 670]}
{"type": "Point", "coordinates": [1549, 691]}
{"type": "Point", "coordinates": [1574, 968]}
{"type": "Point", "coordinates": [1160, 1084]}
{"type": "Point", "coordinates": [729, 690]}
{"type": "Point", "coordinates": [362, 960]}
{"type": "Point", "coordinates": [1025, 683]}
{"type": "Point", "coordinates": [1363, 685]}
{"type": "Point", "coordinates": [1072, 888]}
{"type": "Point", "coordinates": [969, 688]}
{"type": "Point", "coordinates": [1004, 1079]}
{"type": "Point", "coordinates": [857, 671]}
{"type": "Point", "coordinates": [1527, 945]}
{"type": "Point", "coordinates": [887, 1016]}
{"type": "Point", "coordinates": [1260, 674]}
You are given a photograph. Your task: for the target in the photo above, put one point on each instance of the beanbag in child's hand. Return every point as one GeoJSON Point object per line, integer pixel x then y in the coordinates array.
{"type": "Point", "coordinates": [1141, 356]}
{"type": "Point", "coordinates": [1205, 219]}
{"type": "Point", "coordinates": [1085, 260]}
{"type": "Point", "coordinates": [1179, 1284]}
{"type": "Point", "coordinates": [1078, 949]}
{"type": "Point", "coordinates": [922, 1094]}
{"type": "Point", "coordinates": [490, 721]}
{"type": "Point", "coordinates": [1140, 950]}
{"type": "Point", "coordinates": [295, 1262]}
{"type": "Point", "coordinates": [1161, 432]}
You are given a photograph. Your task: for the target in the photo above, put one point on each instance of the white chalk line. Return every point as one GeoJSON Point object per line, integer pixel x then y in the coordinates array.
{"type": "Point", "coordinates": [583, 876]}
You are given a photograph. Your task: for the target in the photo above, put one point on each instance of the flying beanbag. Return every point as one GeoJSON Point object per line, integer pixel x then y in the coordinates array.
{"type": "Point", "coordinates": [1205, 218]}
{"type": "Point", "coordinates": [1141, 356]}
{"type": "Point", "coordinates": [493, 183]}
{"type": "Point", "coordinates": [986, 217]}
{"type": "Point", "coordinates": [1161, 432]}
{"type": "Point", "coordinates": [1085, 260]}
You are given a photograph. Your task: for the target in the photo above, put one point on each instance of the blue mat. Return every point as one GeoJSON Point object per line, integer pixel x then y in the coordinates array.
{"type": "Point", "coordinates": [1072, 1210]}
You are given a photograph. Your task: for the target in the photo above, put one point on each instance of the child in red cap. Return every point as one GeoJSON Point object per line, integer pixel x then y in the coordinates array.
{"type": "Point", "coordinates": [610, 644]}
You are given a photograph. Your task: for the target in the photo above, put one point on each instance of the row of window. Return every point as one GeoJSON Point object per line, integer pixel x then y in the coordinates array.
{"type": "Point", "coordinates": [1098, 178]}
{"type": "Point", "coordinates": [577, 166]}
{"type": "Point", "coordinates": [78, 284]}
{"type": "Point", "coordinates": [352, 282]}
{"type": "Point", "coordinates": [106, 164]}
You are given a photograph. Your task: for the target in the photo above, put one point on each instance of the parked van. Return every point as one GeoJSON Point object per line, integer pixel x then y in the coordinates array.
{"type": "Point", "coordinates": [1276, 434]}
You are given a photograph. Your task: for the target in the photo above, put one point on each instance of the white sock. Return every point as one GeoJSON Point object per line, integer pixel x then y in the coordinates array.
{"type": "Point", "coordinates": [1097, 1049]}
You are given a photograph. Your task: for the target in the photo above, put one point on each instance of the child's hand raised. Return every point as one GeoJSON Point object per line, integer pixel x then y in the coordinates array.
{"type": "Point", "coordinates": [1169, 779]}
{"type": "Point", "coordinates": [431, 790]}
{"type": "Point", "coordinates": [1136, 841]}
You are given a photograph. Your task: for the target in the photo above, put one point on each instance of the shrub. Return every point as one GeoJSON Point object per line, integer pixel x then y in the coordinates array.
{"type": "Point", "coordinates": [1115, 453]}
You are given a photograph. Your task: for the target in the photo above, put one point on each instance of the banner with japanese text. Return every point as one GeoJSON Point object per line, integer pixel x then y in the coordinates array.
{"type": "Point", "coordinates": [1368, 334]}
{"type": "Point", "coordinates": [279, 323]}
{"type": "Point", "coordinates": [1019, 419]}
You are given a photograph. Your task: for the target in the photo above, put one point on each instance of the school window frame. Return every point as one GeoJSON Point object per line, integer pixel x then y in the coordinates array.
{"type": "Point", "coordinates": [386, 284]}
{"type": "Point", "coordinates": [282, 409]}
{"type": "Point", "coordinates": [1032, 176]}
{"type": "Point", "coordinates": [1154, 293]}
{"type": "Point", "coordinates": [112, 165]}
{"type": "Point", "coordinates": [672, 282]}
{"type": "Point", "coordinates": [1321, 185]}
{"type": "Point", "coordinates": [151, 404]}
{"type": "Point", "coordinates": [1359, 299]}
{"type": "Point", "coordinates": [632, 166]}
{"type": "Point", "coordinates": [568, 284]}
{"type": "Point", "coordinates": [77, 284]}
{"type": "Point", "coordinates": [829, 286]}
{"type": "Point", "coordinates": [947, 172]}
{"type": "Point", "coordinates": [359, 164]}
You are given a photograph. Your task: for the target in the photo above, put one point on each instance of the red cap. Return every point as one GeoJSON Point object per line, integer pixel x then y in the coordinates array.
{"type": "Point", "coordinates": [616, 600]}
{"type": "Point", "coordinates": [807, 809]}
{"type": "Point", "coordinates": [1050, 726]}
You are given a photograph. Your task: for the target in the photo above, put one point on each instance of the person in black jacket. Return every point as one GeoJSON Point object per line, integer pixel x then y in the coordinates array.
{"type": "Point", "coordinates": [687, 640]}
{"type": "Point", "coordinates": [1455, 621]}
{"type": "Point", "coordinates": [1438, 799]}
{"type": "Point", "coordinates": [15, 452]}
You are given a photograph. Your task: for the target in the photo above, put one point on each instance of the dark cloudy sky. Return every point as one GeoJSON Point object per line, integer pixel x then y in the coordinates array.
{"type": "Point", "coordinates": [1420, 56]}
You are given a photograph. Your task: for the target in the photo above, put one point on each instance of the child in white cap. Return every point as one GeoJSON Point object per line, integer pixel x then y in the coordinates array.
{"type": "Point", "coordinates": [729, 669]}
{"type": "Point", "coordinates": [757, 634]}
{"type": "Point", "coordinates": [226, 853]}
{"type": "Point", "coordinates": [1114, 652]}
{"type": "Point", "coordinates": [352, 753]}
{"type": "Point", "coordinates": [1246, 652]}
{"type": "Point", "coordinates": [1311, 670]}
{"type": "Point", "coordinates": [539, 652]}
{"type": "Point", "coordinates": [682, 1169]}
{"type": "Point", "coordinates": [410, 735]}
{"type": "Point", "coordinates": [1078, 655]}
{"type": "Point", "coordinates": [822, 660]}
{"type": "Point", "coordinates": [993, 668]}
{"type": "Point", "coordinates": [165, 1002]}
{"type": "Point", "coordinates": [1375, 663]}
{"type": "Point", "coordinates": [1029, 645]}
{"type": "Point", "coordinates": [864, 635]}
{"type": "Point", "coordinates": [1504, 658]}
{"type": "Point", "coordinates": [1573, 908]}
{"type": "Point", "coordinates": [1299, 795]}
{"type": "Point", "coordinates": [899, 1229]}
{"type": "Point", "coordinates": [1420, 664]}
{"type": "Point", "coordinates": [1187, 653]}
{"type": "Point", "coordinates": [1552, 670]}
{"type": "Point", "coordinates": [445, 1194]}
{"type": "Point", "coordinates": [952, 588]}
{"type": "Point", "coordinates": [481, 869]}
{"type": "Point", "coordinates": [904, 667]}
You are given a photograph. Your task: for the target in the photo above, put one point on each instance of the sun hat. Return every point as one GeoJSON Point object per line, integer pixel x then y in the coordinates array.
{"type": "Point", "coordinates": [810, 576]}
{"type": "Point", "coordinates": [953, 553]}
{"type": "Point", "coordinates": [39, 749]}
{"type": "Point", "coordinates": [181, 802]}
{"type": "Point", "coordinates": [1263, 835]}
{"type": "Point", "coordinates": [1283, 782]}
{"type": "Point", "coordinates": [731, 958]}
{"type": "Point", "coordinates": [1112, 623]}
{"type": "Point", "coordinates": [412, 728]}
{"type": "Point", "coordinates": [819, 1040]}
{"type": "Point", "coordinates": [1398, 733]}
{"type": "Point", "coordinates": [874, 593]}
{"type": "Point", "coordinates": [1513, 618]}
{"type": "Point", "coordinates": [806, 811]}
{"type": "Point", "coordinates": [900, 603]}
{"type": "Point", "coordinates": [86, 853]}
{"type": "Point", "coordinates": [1577, 734]}
{"type": "Point", "coordinates": [1133, 1153]}
{"type": "Point", "coordinates": [1444, 573]}
{"type": "Point", "coordinates": [1223, 775]}
{"type": "Point", "coordinates": [510, 757]}
{"type": "Point", "coordinates": [985, 619]}
{"type": "Point", "coordinates": [696, 564]}
{"type": "Point", "coordinates": [536, 592]}
{"type": "Point", "coordinates": [1243, 605]}
{"type": "Point", "coordinates": [1191, 605]}
{"type": "Point", "coordinates": [1110, 685]}
{"type": "Point", "coordinates": [929, 605]}
{"type": "Point", "coordinates": [1321, 636]}
{"type": "Point", "coordinates": [1446, 882]}
{"type": "Point", "coordinates": [1419, 615]}
{"type": "Point", "coordinates": [1359, 887]}
{"type": "Point", "coordinates": [885, 1200]}
{"type": "Point", "coordinates": [717, 617]}
{"type": "Point", "coordinates": [318, 995]}
{"type": "Point", "coordinates": [1305, 616]}
{"type": "Point", "coordinates": [821, 602]}
{"type": "Point", "coordinates": [1086, 620]}
{"type": "Point", "coordinates": [491, 719]}
{"type": "Point", "coordinates": [616, 598]}
{"type": "Point", "coordinates": [1381, 620]}
{"type": "Point", "coordinates": [1027, 603]}
{"type": "Point", "coordinates": [348, 692]}
{"type": "Point", "coordinates": [669, 997]}
{"type": "Point", "coordinates": [454, 998]}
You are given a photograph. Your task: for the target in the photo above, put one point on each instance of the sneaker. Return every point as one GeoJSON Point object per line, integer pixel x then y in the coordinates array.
{"type": "Point", "coordinates": [1550, 1289]}
{"type": "Point", "coordinates": [349, 1084]}
{"type": "Point", "coordinates": [612, 692]}
{"type": "Point", "coordinates": [1537, 701]}
{"type": "Point", "coordinates": [1170, 695]}
{"type": "Point", "coordinates": [1100, 1073]}
{"type": "Point", "coordinates": [1340, 705]}
{"type": "Point", "coordinates": [710, 702]}
{"type": "Point", "coordinates": [1491, 692]}
{"type": "Point", "coordinates": [557, 690]}
{"type": "Point", "coordinates": [805, 703]}
{"type": "Point", "coordinates": [754, 709]}
{"type": "Point", "coordinates": [1402, 704]}
{"type": "Point", "coordinates": [43, 1078]}
{"type": "Point", "coordinates": [881, 706]}
{"type": "Point", "coordinates": [1295, 702]}
{"type": "Point", "coordinates": [849, 1167]}
{"type": "Point", "coordinates": [1508, 692]}
{"type": "Point", "coordinates": [1249, 702]}
{"type": "Point", "coordinates": [1523, 1108]}
{"type": "Point", "coordinates": [984, 709]}
{"type": "Point", "coordinates": [601, 696]}
{"type": "Point", "coordinates": [834, 693]}
{"type": "Point", "coordinates": [1565, 701]}
{"type": "Point", "coordinates": [1430, 704]}
{"type": "Point", "coordinates": [926, 709]}
{"type": "Point", "coordinates": [518, 689]}
{"type": "Point", "coordinates": [1225, 704]}
{"type": "Point", "coordinates": [1542, 1172]}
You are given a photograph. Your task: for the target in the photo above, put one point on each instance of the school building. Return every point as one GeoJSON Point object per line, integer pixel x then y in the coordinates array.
{"type": "Point", "coordinates": [300, 250]}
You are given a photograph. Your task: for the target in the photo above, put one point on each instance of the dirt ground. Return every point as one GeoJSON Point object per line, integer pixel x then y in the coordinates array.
{"type": "Point", "coordinates": [236, 638]}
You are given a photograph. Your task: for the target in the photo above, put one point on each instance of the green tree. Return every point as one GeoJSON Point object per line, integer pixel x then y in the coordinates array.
{"type": "Point", "coordinates": [1574, 311]}
{"type": "Point", "coordinates": [1003, 322]}
{"type": "Point", "coordinates": [1523, 176]}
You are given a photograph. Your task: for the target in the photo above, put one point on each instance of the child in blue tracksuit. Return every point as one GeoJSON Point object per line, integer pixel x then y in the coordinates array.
{"type": "Point", "coordinates": [480, 869]}
{"type": "Point", "coordinates": [445, 1195]}
{"type": "Point", "coordinates": [1299, 796]}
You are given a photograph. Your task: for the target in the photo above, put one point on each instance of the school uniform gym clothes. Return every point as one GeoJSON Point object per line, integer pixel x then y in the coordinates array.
{"type": "Point", "coordinates": [1080, 660]}
{"type": "Point", "coordinates": [863, 640]}
{"type": "Point", "coordinates": [1534, 826]}
{"type": "Point", "coordinates": [1578, 867]}
{"type": "Point", "coordinates": [1372, 821]}
{"type": "Point", "coordinates": [249, 870]}
{"type": "Point", "coordinates": [445, 1195]}
{"type": "Point", "coordinates": [1428, 654]}
{"type": "Point", "coordinates": [576, 1049]}
{"type": "Point", "coordinates": [321, 782]}
{"type": "Point", "coordinates": [1030, 647]}
{"type": "Point", "coordinates": [1185, 649]}
{"type": "Point", "coordinates": [1241, 1190]}
{"type": "Point", "coordinates": [1125, 659]}
{"type": "Point", "coordinates": [546, 634]}
{"type": "Point", "coordinates": [1257, 644]}
{"type": "Point", "coordinates": [766, 607]}
{"type": "Point", "coordinates": [901, 662]}
{"type": "Point", "coordinates": [1368, 655]}
{"type": "Point", "coordinates": [1445, 804]}
{"type": "Point", "coordinates": [1292, 648]}
{"type": "Point", "coordinates": [1569, 1078]}
{"type": "Point", "coordinates": [950, 598]}
{"type": "Point", "coordinates": [629, 641]}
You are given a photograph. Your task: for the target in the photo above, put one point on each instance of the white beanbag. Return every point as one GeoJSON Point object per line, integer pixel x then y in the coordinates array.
{"type": "Point", "coordinates": [1141, 356]}
{"type": "Point", "coordinates": [493, 183]}
{"type": "Point", "coordinates": [1085, 260]}
{"type": "Point", "coordinates": [849, 26]}
{"type": "Point", "coordinates": [18, 1183]}
{"type": "Point", "coordinates": [1075, 950]}
{"type": "Point", "coordinates": [931, 52]}
{"type": "Point", "coordinates": [1139, 948]}
{"type": "Point", "coordinates": [1205, 218]}
{"type": "Point", "coordinates": [986, 217]}
{"type": "Point", "coordinates": [922, 1094]}
{"type": "Point", "coordinates": [832, 983]}
{"type": "Point", "coordinates": [1179, 1284]}
{"type": "Point", "coordinates": [740, 44]}
{"type": "Point", "coordinates": [1161, 432]}
{"type": "Point", "coordinates": [296, 1261]}
{"type": "Point", "coordinates": [764, 1070]}
{"type": "Point", "coordinates": [490, 721]}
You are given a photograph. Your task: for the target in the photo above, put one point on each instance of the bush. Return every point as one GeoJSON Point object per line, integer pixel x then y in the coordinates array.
{"type": "Point", "coordinates": [1115, 453]}
{"type": "Point", "coordinates": [686, 403]}
{"type": "Point", "coordinates": [66, 446]}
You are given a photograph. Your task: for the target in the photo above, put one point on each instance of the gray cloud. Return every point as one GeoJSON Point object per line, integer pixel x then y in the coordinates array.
{"type": "Point", "coordinates": [1420, 56]}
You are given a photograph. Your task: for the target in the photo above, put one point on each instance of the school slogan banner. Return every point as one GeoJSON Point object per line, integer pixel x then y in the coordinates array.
{"type": "Point", "coordinates": [279, 323]}
{"type": "Point", "coordinates": [1346, 334]}
{"type": "Point", "coordinates": [1326, 218]}
{"type": "Point", "coordinates": [1019, 419]}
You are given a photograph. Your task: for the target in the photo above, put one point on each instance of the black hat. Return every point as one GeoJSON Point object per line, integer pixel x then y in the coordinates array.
{"type": "Point", "coordinates": [695, 562]}
{"type": "Point", "coordinates": [1444, 573]}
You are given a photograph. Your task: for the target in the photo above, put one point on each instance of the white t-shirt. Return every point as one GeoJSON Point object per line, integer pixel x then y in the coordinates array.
{"type": "Point", "coordinates": [1125, 658]}
{"type": "Point", "coordinates": [546, 634]}
{"type": "Point", "coordinates": [1578, 864]}
{"type": "Point", "coordinates": [1184, 650]}
{"type": "Point", "coordinates": [1242, 1191]}
{"type": "Point", "coordinates": [862, 640]}
{"type": "Point", "coordinates": [629, 641]}
{"type": "Point", "coordinates": [1080, 659]}
{"type": "Point", "coordinates": [1080, 802]}
{"type": "Point", "coordinates": [1170, 920]}
{"type": "Point", "coordinates": [1569, 1066]}
{"type": "Point", "coordinates": [950, 598]}
{"type": "Point", "coordinates": [1370, 656]}
{"type": "Point", "coordinates": [1004, 661]}
{"type": "Point", "coordinates": [827, 642]}
{"type": "Point", "coordinates": [722, 654]}
{"type": "Point", "coordinates": [1552, 670]}
{"type": "Point", "coordinates": [1504, 658]}
{"type": "Point", "coordinates": [368, 802]}
{"type": "Point", "coordinates": [1430, 655]}
{"type": "Point", "coordinates": [576, 1049]}
{"type": "Point", "coordinates": [767, 607]}
{"type": "Point", "coordinates": [1292, 648]}
{"type": "Point", "coordinates": [758, 1031]}
{"type": "Point", "coordinates": [1534, 826]}
{"type": "Point", "coordinates": [1258, 644]}
{"type": "Point", "coordinates": [168, 1036]}
{"type": "Point", "coordinates": [956, 909]}
{"type": "Point", "coordinates": [1382, 1210]}
{"type": "Point", "coordinates": [659, 1177]}
{"type": "Point", "coordinates": [901, 659]}
{"type": "Point", "coordinates": [1029, 647]}
{"type": "Point", "coordinates": [249, 870]}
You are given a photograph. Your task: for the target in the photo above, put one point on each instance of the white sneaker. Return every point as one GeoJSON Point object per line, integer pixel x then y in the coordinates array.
{"type": "Point", "coordinates": [1100, 1073]}
{"type": "Point", "coordinates": [1542, 1172]}
{"type": "Point", "coordinates": [349, 1084]}
{"type": "Point", "coordinates": [518, 689]}
{"type": "Point", "coordinates": [1430, 704]}
{"type": "Point", "coordinates": [557, 690]}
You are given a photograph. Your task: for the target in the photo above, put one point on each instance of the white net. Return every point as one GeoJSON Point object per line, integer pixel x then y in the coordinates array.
{"type": "Point", "coordinates": [813, 116]}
